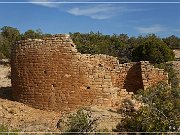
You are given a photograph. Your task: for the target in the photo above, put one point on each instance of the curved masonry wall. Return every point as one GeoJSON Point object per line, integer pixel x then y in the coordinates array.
{"type": "Point", "coordinates": [50, 74]}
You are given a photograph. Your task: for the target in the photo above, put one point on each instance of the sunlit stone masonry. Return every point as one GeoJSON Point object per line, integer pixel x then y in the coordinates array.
{"type": "Point", "coordinates": [50, 74]}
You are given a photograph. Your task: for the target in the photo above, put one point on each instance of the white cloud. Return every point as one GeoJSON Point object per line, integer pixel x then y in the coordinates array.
{"type": "Point", "coordinates": [95, 12]}
{"type": "Point", "coordinates": [101, 11]}
{"type": "Point", "coordinates": [151, 29]}
{"type": "Point", "coordinates": [98, 11]}
{"type": "Point", "coordinates": [46, 3]}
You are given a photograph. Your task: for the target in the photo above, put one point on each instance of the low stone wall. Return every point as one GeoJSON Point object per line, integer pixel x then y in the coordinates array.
{"type": "Point", "coordinates": [151, 76]}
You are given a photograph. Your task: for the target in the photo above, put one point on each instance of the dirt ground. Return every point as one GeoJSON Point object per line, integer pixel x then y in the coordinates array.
{"type": "Point", "coordinates": [177, 53]}
{"type": "Point", "coordinates": [19, 116]}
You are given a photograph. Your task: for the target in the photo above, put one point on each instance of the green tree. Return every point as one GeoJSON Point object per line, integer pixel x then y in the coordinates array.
{"type": "Point", "coordinates": [5, 48]}
{"type": "Point", "coordinates": [85, 49]}
{"type": "Point", "coordinates": [96, 43]}
{"type": "Point", "coordinates": [153, 49]}
{"type": "Point", "coordinates": [32, 34]}
{"type": "Point", "coordinates": [10, 33]}
{"type": "Point", "coordinates": [8, 37]}
{"type": "Point", "coordinates": [160, 112]}
{"type": "Point", "coordinates": [173, 42]}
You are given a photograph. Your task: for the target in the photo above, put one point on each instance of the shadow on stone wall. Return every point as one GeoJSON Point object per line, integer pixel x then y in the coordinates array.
{"type": "Point", "coordinates": [6, 93]}
{"type": "Point", "coordinates": [133, 81]}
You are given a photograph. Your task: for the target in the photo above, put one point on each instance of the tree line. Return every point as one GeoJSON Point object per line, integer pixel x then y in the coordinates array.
{"type": "Point", "coordinates": [9, 35]}
{"type": "Point", "coordinates": [150, 47]}
{"type": "Point", "coordinates": [125, 48]}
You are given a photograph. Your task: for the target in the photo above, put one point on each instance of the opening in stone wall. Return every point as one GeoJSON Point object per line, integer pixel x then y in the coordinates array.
{"type": "Point", "coordinates": [133, 80]}
{"type": "Point", "coordinates": [100, 65]}
{"type": "Point", "coordinates": [45, 72]}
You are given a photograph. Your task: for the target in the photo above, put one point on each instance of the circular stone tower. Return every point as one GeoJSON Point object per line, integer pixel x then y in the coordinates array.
{"type": "Point", "coordinates": [50, 74]}
{"type": "Point", "coordinates": [42, 71]}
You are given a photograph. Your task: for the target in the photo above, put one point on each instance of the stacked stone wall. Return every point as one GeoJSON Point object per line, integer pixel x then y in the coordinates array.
{"type": "Point", "coordinates": [151, 76]}
{"type": "Point", "coordinates": [50, 74]}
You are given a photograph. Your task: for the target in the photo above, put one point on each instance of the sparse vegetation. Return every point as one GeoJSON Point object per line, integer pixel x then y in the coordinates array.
{"type": "Point", "coordinates": [159, 114]}
{"type": "Point", "coordinates": [82, 121]}
{"type": "Point", "coordinates": [4, 130]}
{"type": "Point", "coordinates": [173, 42]}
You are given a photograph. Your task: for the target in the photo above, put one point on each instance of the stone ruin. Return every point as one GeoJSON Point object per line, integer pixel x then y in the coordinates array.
{"type": "Point", "coordinates": [50, 74]}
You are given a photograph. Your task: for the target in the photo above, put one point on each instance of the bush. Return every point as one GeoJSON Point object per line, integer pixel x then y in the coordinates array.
{"type": "Point", "coordinates": [160, 112]}
{"type": "Point", "coordinates": [5, 49]}
{"type": "Point", "coordinates": [81, 121]}
{"type": "Point", "coordinates": [173, 42]}
{"type": "Point", "coordinates": [32, 34]}
{"type": "Point", "coordinates": [8, 36]}
{"type": "Point", "coordinates": [5, 131]}
{"type": "Point", "coordinates": [154, 50]}
{"type": "Point", "coordinates": [2, 56]}
{"type": "Point", "coordinates": [85, 49]}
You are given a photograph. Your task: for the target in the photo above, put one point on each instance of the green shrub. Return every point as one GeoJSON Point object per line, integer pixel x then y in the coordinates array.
{"type": "Point", "coordinates": [160, 112]}
{"type": "Point", "coordinates": [2, 56]}
{"type": "Point", "coordinates": [5, 49]}
{"type": "Point", "coordinates": [87, 49]}
{"type": "Point", "coordinates": [173, 42]}
{"type": "Point", "coordinates": [8, 36]}
{"type": "Point", "coordinates": [81, 121]}
{"type": "Point", "coordinates": [5, 131]}
{"type": "Point", "coordinates": [32, 34]}
{"type": "Point", "coordinates": [154, 50]}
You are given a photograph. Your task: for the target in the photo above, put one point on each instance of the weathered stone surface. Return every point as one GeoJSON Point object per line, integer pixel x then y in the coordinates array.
{"type": "Point", "coordinates": [50, 74]}
{"type": "Point", "coordinates": [151, 75]}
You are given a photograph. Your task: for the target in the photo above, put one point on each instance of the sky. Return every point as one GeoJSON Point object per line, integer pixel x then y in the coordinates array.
{"type": "Point", "coordinates": [133, 19]}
